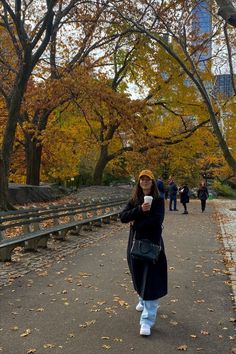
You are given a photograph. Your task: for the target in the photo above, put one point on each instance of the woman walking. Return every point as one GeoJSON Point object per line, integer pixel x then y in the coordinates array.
{"type": "Point", "coordinates": [149, 279]}
{"type": "Point", "coordinates": [184, 197]}
{"type": "Point", "coordinates": [202, 194]}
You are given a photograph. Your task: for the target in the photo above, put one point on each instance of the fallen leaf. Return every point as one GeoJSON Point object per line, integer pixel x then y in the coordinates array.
{"type": "Point", "coordinates": [40, 309]}
{"type": "Point", "coordinates": [15, 328]}
{"type": "Point", "coordinates": [87, 324]}
{"type": "Point", "coordinates": [49, 345]}
{"type": "Point", "coordinates": [193, 336]}
{"type": "Point", "coordinates": [183, 347]}
{"type": "Point", "coordinates": [199, 301]}
{"type": "Point", "coordinates": [106, 346]}
{"type": "Point", "coordinates": [164, 316]}
{"type": "Point", "coordinates": [31, 350]}
{"type": "Point", "coordinates": [26, 333]}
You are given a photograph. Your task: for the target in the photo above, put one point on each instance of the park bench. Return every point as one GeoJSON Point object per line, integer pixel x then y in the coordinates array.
{"type": "Point", "coordinates": [31, 228]}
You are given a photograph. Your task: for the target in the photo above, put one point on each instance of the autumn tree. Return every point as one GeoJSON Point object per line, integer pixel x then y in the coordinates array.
{"type": "Point", "coordinates": [26, 32]}
{"type": "Point", "coordinates": [175, 18]}
{"type": "Point", "coordinates": [90, 24]}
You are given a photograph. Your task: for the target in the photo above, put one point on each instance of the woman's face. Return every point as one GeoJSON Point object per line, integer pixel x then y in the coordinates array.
{"type": "Point", "coordinates": [145, 183]}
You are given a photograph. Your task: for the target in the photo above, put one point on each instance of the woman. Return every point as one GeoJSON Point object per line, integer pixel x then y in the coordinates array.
{"type": "Point", "coordinates": [184, 197]}
{"type": "Point", "coordinates": [149, 280]}
{"type": "Point", "coordinates": [203, 194]}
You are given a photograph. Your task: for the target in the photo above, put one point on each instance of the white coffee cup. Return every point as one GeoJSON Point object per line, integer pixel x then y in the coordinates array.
{"type": "Point", "coordinates": [148, 199]}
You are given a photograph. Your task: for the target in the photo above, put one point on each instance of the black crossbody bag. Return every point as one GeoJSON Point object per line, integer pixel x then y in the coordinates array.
{"type": "Point", "coordinates": [145, 250]}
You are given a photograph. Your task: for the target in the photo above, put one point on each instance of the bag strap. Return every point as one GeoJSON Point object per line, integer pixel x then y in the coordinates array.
{"type": "Point", "coordinates": [134, 231]}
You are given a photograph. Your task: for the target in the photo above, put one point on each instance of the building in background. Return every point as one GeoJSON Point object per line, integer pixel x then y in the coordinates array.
{"type": "Point", "coordinates": [223, 85]}
{"type": "Point", "coordinates": [202, 24]}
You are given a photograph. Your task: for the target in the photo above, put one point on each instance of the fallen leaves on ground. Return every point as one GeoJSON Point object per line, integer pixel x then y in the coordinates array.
{"type": "Point", "coordinates": [31, 351]}
{"type": "Point", "coordinates": [49, 346]}
{"type": "Point", "coordinates": [104, 346]}
{"type": "Point", "coordinates": [87, 324]}
{"type": "Point", "coordinates": [120, 301]}
{"type": "Point", "coordinates": [26, 333]}
{"type": "Point", "coordinates": [183, 347]}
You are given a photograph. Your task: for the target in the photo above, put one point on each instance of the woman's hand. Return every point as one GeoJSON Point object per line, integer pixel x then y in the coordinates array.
{"type": "Point", "coordinates": [145, 207]}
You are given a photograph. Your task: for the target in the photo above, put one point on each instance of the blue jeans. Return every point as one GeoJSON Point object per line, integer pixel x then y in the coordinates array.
{"type": "Point", "coordinates": [149, 313]}
{"type": "Point", "coordinates": [172, 200]}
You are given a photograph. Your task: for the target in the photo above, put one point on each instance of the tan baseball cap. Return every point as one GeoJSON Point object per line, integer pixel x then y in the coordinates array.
{"type": "Point", "coordinates": [147, 173]}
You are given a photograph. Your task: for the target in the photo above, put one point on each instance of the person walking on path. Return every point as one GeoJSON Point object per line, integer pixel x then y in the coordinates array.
{"type": "Point", "coordinates": [184, 196]}
{"type": "Point", "coordinates": [160, 187]}
{"type": "Point", "coordinates": [203, 194]}
{"type": "Point", "coordinates": [149, 279]}
{"type": "Point", "coordinates": [172, 191]}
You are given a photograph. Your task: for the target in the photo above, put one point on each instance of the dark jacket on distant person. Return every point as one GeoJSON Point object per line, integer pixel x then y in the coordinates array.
{"type": "Point", "coordinates": [202, 193]}
{"type": "Point", "coordinates": [172, 189]}
{"type": "Point", "coordinates": [160, 187]}
{"type": "Point", "coordinates": [184, 194]}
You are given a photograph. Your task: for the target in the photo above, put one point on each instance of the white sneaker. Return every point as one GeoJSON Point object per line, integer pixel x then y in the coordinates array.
{"type": "Point", "coordinates": [139, 307]}
{"type": "Point", "coordinates": [145, 330]}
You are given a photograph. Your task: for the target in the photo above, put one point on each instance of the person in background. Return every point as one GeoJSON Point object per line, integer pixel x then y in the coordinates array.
{"type": "Point", "coordinates": [160, 187]}
{"type": "Point", "coordinates": [203, 194]}
{"type": "Point", "coordinates": [149, 280]}
{"type": "Point", "coordinates": [172, 191]}
{"type": "Point", "coordinates": [184, 196]}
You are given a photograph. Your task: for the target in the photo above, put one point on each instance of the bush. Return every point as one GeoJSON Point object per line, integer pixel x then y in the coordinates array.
{"type": "Point", "coordinates": [223, 189]}
{"type": "Point", "coordinates": [111, 179]}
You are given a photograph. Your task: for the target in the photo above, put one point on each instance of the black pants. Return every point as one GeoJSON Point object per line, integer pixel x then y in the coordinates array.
{"type": "Point", "coordinates": [203, 204]}
{"type": "Point", "coordinates": [185, 206]}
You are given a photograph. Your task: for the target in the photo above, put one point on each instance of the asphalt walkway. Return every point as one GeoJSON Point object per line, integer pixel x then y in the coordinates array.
{"type": "Point", "coordinates": [77, 296]}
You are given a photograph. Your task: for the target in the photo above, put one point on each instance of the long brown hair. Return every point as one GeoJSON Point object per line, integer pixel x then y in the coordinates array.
{"type": "Point", "coordinates": [202, 184]}
{"type": "Point", "coordinates": [138, 192]}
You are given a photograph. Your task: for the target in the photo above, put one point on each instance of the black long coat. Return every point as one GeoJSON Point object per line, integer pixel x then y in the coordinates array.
{"type": "Point", "coordinates": [184, 194]}
{"type": "Point", "coordinates": [149, 280]}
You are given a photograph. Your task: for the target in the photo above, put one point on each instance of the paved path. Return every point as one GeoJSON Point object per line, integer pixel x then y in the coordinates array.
{"type": "Point", "coordinates": [226, 215]}
{"type": "Point", "coordinates": [79, 298]}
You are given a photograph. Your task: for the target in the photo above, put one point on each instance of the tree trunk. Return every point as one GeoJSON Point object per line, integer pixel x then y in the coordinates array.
{"type": "Point", "coordinates": [34, 147]}
{"type": "Point", "coordinates": [100, 165]}
{"type": "Point", "coordinates": [33, 152]}
{"type": "Point", "coordinates": [7, 144]}
{"type": "Point", "coordinates": [4, 204]}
